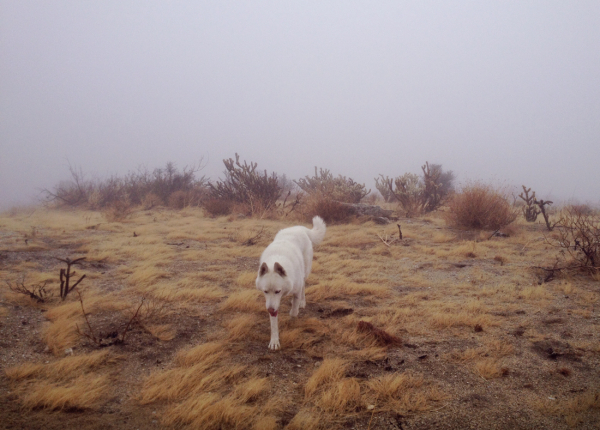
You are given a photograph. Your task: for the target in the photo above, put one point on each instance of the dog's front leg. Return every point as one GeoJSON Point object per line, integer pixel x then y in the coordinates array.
{"type": "Point", "coordinates": [295, 305]}
{"type": "Point", "coordinates": [274, 344]}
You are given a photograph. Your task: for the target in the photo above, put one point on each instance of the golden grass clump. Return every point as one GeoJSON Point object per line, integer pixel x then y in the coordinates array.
{"type": "Point", "coordinates": [572, 409]}
{"type": "Point", "coordinates": [341, 396]}
{"type": "Point", "coordinates": [246, 300]}
{"type": "Point", "coordinates": [85, 392]}
{"type": "Point", "coordinates": [62, 369]}
{"type": "Point", "coordinates": [301, 332]}
{"type": "Point", "coordinates": [70, 383]}
{"type": "Point", "coordinates": [404, 392]}
{"type": "Point", "coordinates": [342, 288]}
{"type": "Point", "coordinates": [208, 391]}
{"type": "Point", "coordinates": [242, 326]}
{"type": "Point", "coordinates": [307, 419]}
{"type": "Point", "coordinates": [330, 370]}
{"type": "Point", "coordinates": [488, 368]}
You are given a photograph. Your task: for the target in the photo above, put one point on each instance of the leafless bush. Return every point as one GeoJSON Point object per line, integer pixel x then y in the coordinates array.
{"type": "Point", "coordinates": [416, 194]}
{"type": "Point", "coordinates": [118, 337]}
{"type": "Point", "coordinates": [74, 192]}
{"type": "Point", "coordinates": [217, 207]}
{"type": "Point", "coordinates": [37, 292]}
{"type": "Point", "coordinates": [244, 185]}
{"type": "Point", "coordinates": [342, 189]}
{"type": "Point", "coordinates": [480, 206]}
{"type": "Point", "coordinates": [178, 200]}
{"type": "Point", "coordinates": [408, 192]}
{"type": "Point", "coordinates": [150, 201]}
{"type": "Point", "coordinates": [331, 211]}
{"type": "Point", "coordinates": [117, 211]}
{"type": "Point", "coordinates": [579, 238]}
{"type": "Point", "coordinates": [132, 188]}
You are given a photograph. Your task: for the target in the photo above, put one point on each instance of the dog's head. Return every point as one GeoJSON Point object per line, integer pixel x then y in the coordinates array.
{"type": "Point", "coordinates": [275, 283]}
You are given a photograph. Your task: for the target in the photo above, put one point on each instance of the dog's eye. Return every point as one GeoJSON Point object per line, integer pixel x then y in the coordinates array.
{"type": "Point", "coordinates": [277, 292]}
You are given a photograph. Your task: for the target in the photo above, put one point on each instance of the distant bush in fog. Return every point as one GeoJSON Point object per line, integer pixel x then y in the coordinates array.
{"type": "Point", "coordinates": [162, 186]}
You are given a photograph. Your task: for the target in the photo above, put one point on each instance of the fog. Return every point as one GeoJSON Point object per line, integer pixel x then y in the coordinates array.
{"type": "Point", "coordinates": [504, 92]}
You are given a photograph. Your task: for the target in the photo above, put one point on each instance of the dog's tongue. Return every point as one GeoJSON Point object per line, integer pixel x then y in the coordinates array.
{"type": "Point", "coordinates": [273, 313]}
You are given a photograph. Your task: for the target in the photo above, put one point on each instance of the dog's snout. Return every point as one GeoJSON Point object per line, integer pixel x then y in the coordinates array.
{"type": "Point", "coordinates": [272, 312]}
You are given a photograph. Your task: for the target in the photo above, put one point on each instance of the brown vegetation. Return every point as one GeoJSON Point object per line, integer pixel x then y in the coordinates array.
{"type": "Point", "coordinates": [444, 328]}
{"type": "Point", "coordinates": [480, 206]}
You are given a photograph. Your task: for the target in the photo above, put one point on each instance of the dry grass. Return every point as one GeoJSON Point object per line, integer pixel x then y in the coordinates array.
{"type": "Point", "coordinates": [471, 315]}
{"type": "Point", "coordinates": [573, 409]}
{"type": "Point", "coordinates": [404, 392]}
{"type": "Point", "coordinates": [247, 300]}
{"type": "Point", "coordinates": [70, 383]}
{"type": "Point", "coordinates": [331, 370]}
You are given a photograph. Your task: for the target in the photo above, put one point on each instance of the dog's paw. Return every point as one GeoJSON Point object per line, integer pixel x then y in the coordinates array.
{"type": "Point", "coordinates": [294, 314]}
{"type": "Point", "coordinates": [302, 304]}
{"type": "Point", "coordinates": [274, 344]}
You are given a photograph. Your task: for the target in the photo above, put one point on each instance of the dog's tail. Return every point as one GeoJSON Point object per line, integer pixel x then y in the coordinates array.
{"type": "Point", "coordinates": [317, 233]}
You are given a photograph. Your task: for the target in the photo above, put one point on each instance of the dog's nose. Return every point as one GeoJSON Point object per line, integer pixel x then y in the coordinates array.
{"type": "Point", "coordinates": [271, 310]}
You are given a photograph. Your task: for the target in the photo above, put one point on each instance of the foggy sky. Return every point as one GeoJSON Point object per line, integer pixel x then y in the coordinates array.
{"type": "Point", "coordinates": [506, 92]}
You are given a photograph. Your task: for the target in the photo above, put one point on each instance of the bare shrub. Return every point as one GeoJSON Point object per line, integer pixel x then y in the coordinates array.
{"type": "Point", "coordinates": [244, 185]}
{"type": "Point", "coordinates": [480, 206]}
{"type": "Point", "coordinates": [178, 200]}
{"type": "Point", "coordinates": [579, 238]}
{"type": "Point", "coordinates": [150, 201]}
{"type": "Point", "coordinates": [73, 192]}
{"type": "Point", "coordinates": [217, 207]}
{"type": "Point", "coordinates": [417, 195]}
{"type": "Point", "coordinates": [132, 188]}
{"type": "Point", "coordinates": [331, 211]}
{"type": "Point", "coordinates": [340, 188]}
{"type": "Point", "coordinates": [117, 211]}
{"type": "Point", "coordinates": [408, 193]}
{"type": "Point", "coordinates": [37, 292]}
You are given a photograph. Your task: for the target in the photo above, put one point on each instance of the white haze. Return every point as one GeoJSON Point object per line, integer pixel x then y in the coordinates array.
{"type": "Point", "coordinates": [505, 92]}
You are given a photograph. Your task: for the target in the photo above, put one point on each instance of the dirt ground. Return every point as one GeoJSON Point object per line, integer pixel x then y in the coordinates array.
{"type": "Point", "coordinates": [481, 341]}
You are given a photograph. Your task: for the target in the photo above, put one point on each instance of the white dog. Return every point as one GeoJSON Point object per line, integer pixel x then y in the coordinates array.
{"type": "Point", "coordinates": [284, 266]}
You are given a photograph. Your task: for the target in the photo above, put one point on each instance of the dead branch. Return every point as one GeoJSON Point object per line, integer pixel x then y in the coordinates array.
{"type": "Point", "coordinates": [91, 334]}
{"type": "Point", "coordinates": [252, 240]}
{"type": "Point", "coordinates": [493, 234]}
{"type": "Point", "coordinates": [37, 292]}
{"type": "Point", "coordinates": [133, 318]}
{"type": "Point", "coordinates": [542, 205]}
{"type": "Point", "coordinates": [387, 240]}
{"type": "Point", "coordinates": [65, 276]}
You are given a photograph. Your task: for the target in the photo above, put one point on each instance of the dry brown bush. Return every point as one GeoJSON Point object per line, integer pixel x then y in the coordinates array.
{"type": "Point", "coordinates": [217, 207]}
{"type": "Point", "coordinates": [150, 201]}
{"type": "Point", "coordinates": [480, 206]}
{"type": "Point", "coordinates": [579, 237]}
{"type": "Point", "coordinates": [339, 188]}
{"type": "Point", "coordinates": [178, 200]}
{"type": "Point", "coordinates": [117, 211]}
{"type": "Point", "coordinates": [244, 185]}
{"type": "Point", "coordinates": [330, 210]}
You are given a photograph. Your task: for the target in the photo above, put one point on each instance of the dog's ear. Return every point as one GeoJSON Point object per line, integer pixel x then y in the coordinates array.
{"type": "Point", "coordinates": [280, 270]}
{"type": "Point", "coordinates": [263, 269]}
